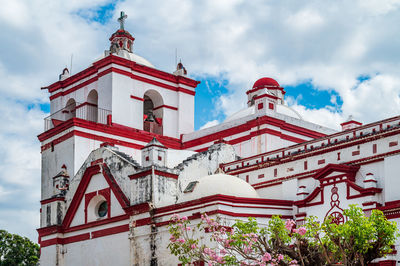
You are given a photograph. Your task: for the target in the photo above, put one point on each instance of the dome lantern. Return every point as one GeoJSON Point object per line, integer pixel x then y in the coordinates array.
{"type": "Point", "coordinates": [121, 39]}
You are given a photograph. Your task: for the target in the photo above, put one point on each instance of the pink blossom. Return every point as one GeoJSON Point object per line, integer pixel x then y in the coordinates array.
{"type": "Point", "coordinates": [266, 257]}
{"type": "Point", "coordinates": [184, 218]}
{"type": "Point", "coordinates": [206, 251]}
{"type": "Point", "coordinates": [172, 239]}
{"type": "Point", "coordinates": [193, 246]}
{"type": "Point", "coordinates": [302, 231]}
{"type": "Point", "coordinates": [280, 257]}
{"type": "Point", "coordinates": [295, 230]}
{"type": "Point", "coordinates": [175, 217]}
{"type": "Point", "coordinates": [289, 225]}
{"type": "Point", "coordinates": [181, 240]}
{"type": "Point", "coordinates": [293, 262]}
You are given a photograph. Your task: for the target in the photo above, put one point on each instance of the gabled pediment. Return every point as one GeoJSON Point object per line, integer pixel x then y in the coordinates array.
{"type": "Point", "coordinates": [97, 192]}
{"type": "Point", "coordinates": [332, 171]}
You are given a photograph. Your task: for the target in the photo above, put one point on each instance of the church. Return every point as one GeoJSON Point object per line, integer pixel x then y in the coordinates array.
{"type": "Point", "coordinates": [120, 156]}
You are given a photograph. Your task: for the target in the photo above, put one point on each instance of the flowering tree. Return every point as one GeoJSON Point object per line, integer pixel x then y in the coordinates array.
{"type": "Point", "coordinates": [356, 242]}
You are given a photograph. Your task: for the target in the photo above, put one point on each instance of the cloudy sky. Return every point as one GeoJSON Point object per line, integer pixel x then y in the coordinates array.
{"type": "Point", "coordinates": [334, 58]}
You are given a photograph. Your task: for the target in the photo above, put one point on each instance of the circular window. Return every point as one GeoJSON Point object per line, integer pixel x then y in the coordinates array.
{"type": "Point", "coordinates": [103, 209]}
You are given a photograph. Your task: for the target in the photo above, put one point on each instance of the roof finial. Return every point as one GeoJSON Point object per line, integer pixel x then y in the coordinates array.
{"type": "Point", "coordinates": [121, 20]}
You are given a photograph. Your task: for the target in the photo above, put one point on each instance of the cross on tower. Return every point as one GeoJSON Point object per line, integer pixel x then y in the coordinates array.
{"type": "Point", "coordinates": [121, 20]}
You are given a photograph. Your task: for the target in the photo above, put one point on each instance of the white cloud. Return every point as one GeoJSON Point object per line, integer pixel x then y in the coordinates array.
{"type": "Point", "coordinates": [305, 19]}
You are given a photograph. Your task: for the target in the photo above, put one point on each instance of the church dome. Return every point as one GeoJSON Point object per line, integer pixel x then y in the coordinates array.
{"type": "Point", "coordinates": [130, 56]}
{"type": "Point", "coordinates": [242, 113]}
{"type": "Point", "coordinates": [219, 184]}
{"type": "Point", "coordinates": [265, 82]}
{"type": "Point", "coordinates": [288, 111]}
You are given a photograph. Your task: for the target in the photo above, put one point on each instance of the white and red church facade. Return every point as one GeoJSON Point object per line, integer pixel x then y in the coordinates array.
{"type": "Point", "coordinates": [120, 156]}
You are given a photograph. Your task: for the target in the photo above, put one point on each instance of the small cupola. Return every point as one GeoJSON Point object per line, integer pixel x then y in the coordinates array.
{"type": "Point", "coordinates": [64, 75]}
{"type": "Point", "coordinates": [350, 123]}
{"type": "Point", "coordinates": [266, 93]}
{"type": "Point", "coordinates": [154, 153]}
{"type": "Point", "coordinates": [121, 39]}
{"type": "Point", "coordinates": [180, 70]}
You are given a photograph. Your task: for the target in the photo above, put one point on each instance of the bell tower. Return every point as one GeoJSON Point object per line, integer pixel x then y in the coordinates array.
{"type": "Point", "coordinates": [121, 99]}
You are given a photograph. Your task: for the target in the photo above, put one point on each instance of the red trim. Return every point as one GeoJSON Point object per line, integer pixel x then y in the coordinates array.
{"type": "Point", "coordinates": [219, 197]}
{"type": "Point", "coordinates": [112, 59]}
{"type": "Point", "coordinates": [351, 122]}
{"type": "Point", "coordinates": [266, 96]}
{"type": "Point", "coordinates": [363, 191]}
{"type": "Point", "coordinates": [138, 208]}
{"type": "Point", "coordinates": [107, 195]}
{"type": "Point", "coordinates": [66, 240]}
{"type": "Point", "coordinates": [77, 198]}
{"type": "Point", "coordinates": [114, 129]}
{"type": "Point", "coordinates": [156, 172]}
{"type": "Point", "coordinates": [316, 151]}
{"type": "Point", "coordinates": [45, 201]}
{"type": "Point", "coordinates": [248, 126]}
{"type": "Point", "coordinates": [335, 145]}
{"type": "Point", "coordinates": [305, 202]}
{"type": "Point", "coordinates": [263, 87]}
{"type": "Point", "coordinates": [88, 198]}
{"type": "Point", "coordinates": [86, 236]}
{"type": "Point", "coordinates": [111, 231]}
{"type": "Point", "coordinates": [348, 170]}
{"type": "Point", "coordinates": [303, 175]}
{"type": "Point", "coordinates": [122, 199]}
{"type": "Point", "coordinates": [393, 143]}
{"type": "Point", "coordinates": [166, 106]}
{"type": "Point", "coordinates": [140, 174]}
{"type": "Point", "coordinates": [95, 223]}
{"type": "Point", "coordinates": [111, 141]}
{"type": "Point", "coordinates": [90, 171]}
{"type": "Point", "coordinates": [137, 98]}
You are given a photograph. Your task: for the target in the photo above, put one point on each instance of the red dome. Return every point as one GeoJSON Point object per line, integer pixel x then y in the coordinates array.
{"type": "Point", "coordinates": [263, 82]}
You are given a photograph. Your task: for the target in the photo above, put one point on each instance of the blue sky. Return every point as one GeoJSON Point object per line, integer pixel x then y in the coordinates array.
{"type": "Point", "coordinates": [334, 59]}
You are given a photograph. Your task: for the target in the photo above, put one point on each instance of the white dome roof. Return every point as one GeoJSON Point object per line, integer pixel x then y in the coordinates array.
{"type": "Point", "coordinates": [220, 184]}
{"type": "Point", "coordinates": [242, 113]}
{"type": "Point", "coordinates": [280, 109]}
{"type": "Point", "coordinates": [286, 110]}
{"type": "Point", "coordinates": [130, 56]}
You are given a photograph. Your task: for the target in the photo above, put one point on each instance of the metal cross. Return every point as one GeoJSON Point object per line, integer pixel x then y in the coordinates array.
{"type": "Point", "coordinates": [121, 20]}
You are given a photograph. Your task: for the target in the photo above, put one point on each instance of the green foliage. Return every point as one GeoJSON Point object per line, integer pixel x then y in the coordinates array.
{"type": "Point", "coordinates": [358, 241]}
{"type": "Point", "coordinates": [361, 239]}
{"type": "Point", "coordinates": [17, 250]}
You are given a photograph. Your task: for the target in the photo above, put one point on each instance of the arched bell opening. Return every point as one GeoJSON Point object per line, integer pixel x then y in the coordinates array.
{"type": "Point", "coordinates": [69, 110]}
{"type": "Point", "coordinates": [91, 106]}
{"type": "Point", "coordinates": [153, 112]}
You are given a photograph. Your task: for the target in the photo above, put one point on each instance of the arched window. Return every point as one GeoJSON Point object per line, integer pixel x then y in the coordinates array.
{"type": "Point", "coordinates": [153, 112]}
{"type": "Point", "coordinates": [91, 106]}
{"type": "Point", "coordinates": [69, 110]}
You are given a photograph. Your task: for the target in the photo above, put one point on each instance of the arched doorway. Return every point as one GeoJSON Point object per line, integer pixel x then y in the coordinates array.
{"type": "Point", "coordinates": [153, 112]}
{"type": "Point", "coordinates": [91, 106]}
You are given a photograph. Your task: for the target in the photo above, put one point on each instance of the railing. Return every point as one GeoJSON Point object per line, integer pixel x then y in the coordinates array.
{"type": "Point", "coordinates": [86, 111]}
